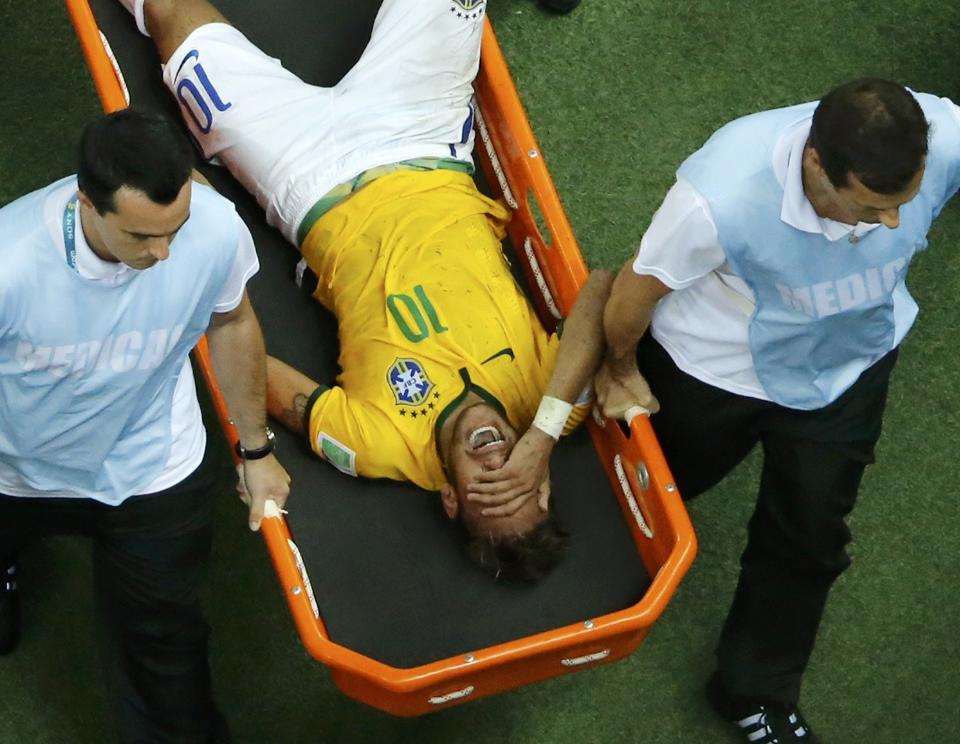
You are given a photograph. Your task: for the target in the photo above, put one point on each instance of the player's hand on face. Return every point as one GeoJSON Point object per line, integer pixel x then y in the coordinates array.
{"type": "Point", "coordinates": [260, 481]}
{"type": "Point", "coordinates": [617, 391]}
{"type": "Point", "coordinates": [523, 476]}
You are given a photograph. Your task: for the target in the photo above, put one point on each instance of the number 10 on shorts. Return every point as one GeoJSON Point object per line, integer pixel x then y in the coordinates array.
{"type": "Point", "coordinates": [200, 99]}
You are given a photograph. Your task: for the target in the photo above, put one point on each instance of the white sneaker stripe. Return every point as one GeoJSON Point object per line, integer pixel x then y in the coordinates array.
{"type": "Point", "coordinates": [750, 720]}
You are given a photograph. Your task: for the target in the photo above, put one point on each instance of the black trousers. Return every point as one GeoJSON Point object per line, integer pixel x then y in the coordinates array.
{"type": "Point", "coordinates": [813, 462]}
{"type": "Point", "coordinates": [149, 556]}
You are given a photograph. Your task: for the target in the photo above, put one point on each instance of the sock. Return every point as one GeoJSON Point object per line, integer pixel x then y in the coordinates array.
{"type": "Point", "coordinates": [136, 9]}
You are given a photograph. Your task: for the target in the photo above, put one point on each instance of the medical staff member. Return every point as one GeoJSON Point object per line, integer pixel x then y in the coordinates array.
{"type": "Point", "coordinates": [109, 279]}
{"type": "Point", "coordinates": [772, 279]}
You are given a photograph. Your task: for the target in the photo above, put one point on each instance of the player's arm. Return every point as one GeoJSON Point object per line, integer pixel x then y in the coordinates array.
{"type": "Point", "coordinates": [332, 423]}
{"type": "Point", "coordinates": [581, 344]}
{"type": "Point", "coordinates": [524, 474]}
{"type": "Point", "coordinates": [288, 395]}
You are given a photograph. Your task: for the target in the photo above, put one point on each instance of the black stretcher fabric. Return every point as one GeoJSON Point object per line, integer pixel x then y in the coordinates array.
{"type": "Point", "coordinates": [388, 571]}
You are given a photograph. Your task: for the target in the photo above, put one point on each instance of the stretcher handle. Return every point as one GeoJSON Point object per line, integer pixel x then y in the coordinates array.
{"type": "Point", "coordinates": [643, 520]}
{"type": "Point", "coordinates": [586, 658]}
{"type": "Point", "coordinates": [451, 696]}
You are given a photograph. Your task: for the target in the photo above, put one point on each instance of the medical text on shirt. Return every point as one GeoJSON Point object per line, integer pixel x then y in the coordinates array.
{"type": "Point", "coordinates": [839, 295]}
{"type": "Point", "coordinates": [123, 352]}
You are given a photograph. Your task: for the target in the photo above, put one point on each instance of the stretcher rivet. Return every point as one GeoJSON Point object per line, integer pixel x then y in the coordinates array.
{"type": "Point", "coordinates": [533, 153]}
{"type": "Point", "coordinates": [296, 590]}
{"type": "Point", "coordinates": [670, 488]}
{"type": "Point", "coordinates": [588, 624]}
{"type": "Point", "coordinates": [469, 658]}
{"type": "Point", "coordinates": [643, 475]}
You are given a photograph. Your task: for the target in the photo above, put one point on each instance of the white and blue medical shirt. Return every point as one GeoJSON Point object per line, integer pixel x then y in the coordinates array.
{"type": "Point", "coordinates": [98, 395]}
{"type": "Point", "coordinates": [704, 324]}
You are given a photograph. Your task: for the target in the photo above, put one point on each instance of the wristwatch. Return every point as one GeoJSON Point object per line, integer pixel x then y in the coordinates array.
{"type": "Point", "coordinates": [259, 452]}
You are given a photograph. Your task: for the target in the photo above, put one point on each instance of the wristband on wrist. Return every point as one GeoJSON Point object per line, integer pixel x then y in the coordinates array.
{"type": "Point", "coordinates": [552, 416]}
{"type": "Point", "coordinates": [260, 452]}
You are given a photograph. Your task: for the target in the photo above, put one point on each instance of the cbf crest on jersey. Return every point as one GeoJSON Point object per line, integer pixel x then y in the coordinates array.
{"type": "Point", "coordinates": [465, 8]}
{"type": "Point", "coordinates": [409, 382]}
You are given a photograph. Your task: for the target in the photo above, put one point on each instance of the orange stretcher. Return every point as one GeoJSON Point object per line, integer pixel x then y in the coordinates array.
{"type": "Point", "coordinates": [658, 522]}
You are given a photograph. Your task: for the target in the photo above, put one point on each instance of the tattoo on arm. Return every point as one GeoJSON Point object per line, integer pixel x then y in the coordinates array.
{"type": "Point", "coordinates": [292, 417]}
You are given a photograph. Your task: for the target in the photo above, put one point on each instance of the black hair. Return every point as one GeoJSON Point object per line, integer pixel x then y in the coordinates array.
{"type": "Point", "coordinates": [524, 557]}
{"type": "Point", "coordinates": [874, 129]}
{"type": "Point", "coordinates": [137, 149]}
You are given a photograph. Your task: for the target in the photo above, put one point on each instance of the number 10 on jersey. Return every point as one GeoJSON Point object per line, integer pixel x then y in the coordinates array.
{"type": "Point", "coordinates": [416, 316]}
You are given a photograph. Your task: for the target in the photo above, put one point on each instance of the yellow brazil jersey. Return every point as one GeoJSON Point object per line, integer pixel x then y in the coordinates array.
{"type": "Point", "coordinates": [411, 265]}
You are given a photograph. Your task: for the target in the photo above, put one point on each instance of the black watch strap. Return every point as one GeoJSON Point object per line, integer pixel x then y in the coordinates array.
{"type": "Point", "coordinates": [259, 452]}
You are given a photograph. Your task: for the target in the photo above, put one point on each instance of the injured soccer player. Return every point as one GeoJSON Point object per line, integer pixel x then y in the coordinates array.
{"type": "Point", "coordinates": [448, 378]}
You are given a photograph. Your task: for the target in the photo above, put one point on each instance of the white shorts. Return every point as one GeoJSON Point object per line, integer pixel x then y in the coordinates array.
{"type": "Point", "coordinates": [409, 96]}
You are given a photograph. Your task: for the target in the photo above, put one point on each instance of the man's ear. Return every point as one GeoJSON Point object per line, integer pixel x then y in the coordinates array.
{"type": "Point", "coordinates": [812, 159]}
{"type": "Point", "coordinates": [451, 504]}
{"type": "Point", "coordinates": [84, 200]}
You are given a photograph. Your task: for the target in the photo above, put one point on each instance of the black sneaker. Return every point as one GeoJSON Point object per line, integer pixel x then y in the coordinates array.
{"type": "Point", "coordinates": [9, 609]}
{"type": "Point", "coordinates": [761, 723]}
{"type": "Point", "coordinates": [560, 6]}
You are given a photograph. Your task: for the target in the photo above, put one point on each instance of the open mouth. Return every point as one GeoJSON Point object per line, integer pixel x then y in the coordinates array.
{"type": "Point", "coordinates": [485, 437]}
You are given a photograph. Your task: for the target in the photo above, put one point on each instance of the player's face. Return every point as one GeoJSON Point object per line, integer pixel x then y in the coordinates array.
{"type": "Point", "coordinates": [139, 231]}
{"type": "Point", "coordinates": [483, 440]}
{"type": "Point", "coordinates": [860, 204]}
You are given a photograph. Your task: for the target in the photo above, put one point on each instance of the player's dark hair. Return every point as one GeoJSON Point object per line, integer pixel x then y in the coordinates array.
{"type": "Point", "coordinates": [527, 557]}
{"type": "Point", "coordinates": [137, 149]}
{"type": "Point", "coordinates": [874, 129]}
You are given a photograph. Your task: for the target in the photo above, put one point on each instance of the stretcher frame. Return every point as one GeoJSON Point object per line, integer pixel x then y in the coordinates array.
{"type": "Point", "coordinates": [651, 504]}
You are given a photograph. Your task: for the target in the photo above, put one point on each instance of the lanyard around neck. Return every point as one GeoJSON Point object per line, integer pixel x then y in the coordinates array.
{"type": "Point", "coordinates": [70, 232]}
